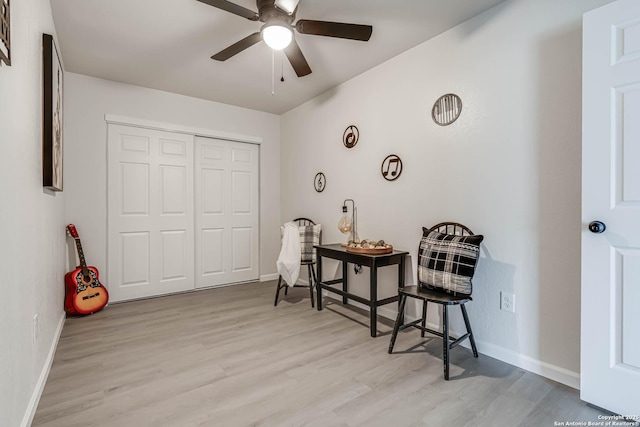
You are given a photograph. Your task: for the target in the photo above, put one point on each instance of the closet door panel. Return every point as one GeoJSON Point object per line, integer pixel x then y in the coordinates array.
{"type": "Point", "coordinates": [150, 212]}
{"type": "Point", "coordinates": [227, 214]}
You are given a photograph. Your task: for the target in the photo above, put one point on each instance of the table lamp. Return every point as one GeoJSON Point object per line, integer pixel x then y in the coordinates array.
{"type": "Point", "coordinates": [349, 225]}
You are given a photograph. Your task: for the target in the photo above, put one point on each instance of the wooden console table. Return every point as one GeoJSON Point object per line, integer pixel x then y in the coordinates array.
{"type": "Point", "coordinates": [338, 252]}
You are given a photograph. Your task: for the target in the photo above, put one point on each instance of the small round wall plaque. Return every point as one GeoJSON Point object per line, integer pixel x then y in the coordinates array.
{"type": "Point", "coordinates": [391, 167]}
{"type": "Point", "coordinates": [319, 182]}
{"type": "Point", "coordinates": [447, 109]}
{"type": "Point", "coordinates": [350, 136]}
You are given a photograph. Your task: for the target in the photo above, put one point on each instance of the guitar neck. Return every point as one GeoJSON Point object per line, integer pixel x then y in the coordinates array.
{"type": "Point", "coordinates": [83, 263]}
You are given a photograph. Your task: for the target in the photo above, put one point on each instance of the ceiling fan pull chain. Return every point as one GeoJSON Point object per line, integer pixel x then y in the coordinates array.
{"type": "Point", "coordinates": [282, 67]}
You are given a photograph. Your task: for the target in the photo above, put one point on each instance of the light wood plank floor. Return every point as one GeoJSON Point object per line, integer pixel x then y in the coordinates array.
{"type": "Point", "coordinates": [228, 357]}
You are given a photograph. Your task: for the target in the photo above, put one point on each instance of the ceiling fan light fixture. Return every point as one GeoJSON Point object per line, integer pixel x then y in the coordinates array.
{"type": "Point", "coordinates": [277, 36]}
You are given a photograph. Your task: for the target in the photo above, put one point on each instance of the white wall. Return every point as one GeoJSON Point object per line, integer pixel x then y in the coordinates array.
{"type": "Point", "coordinates": [88, 99]}
{"type": "Point", "coordinates": [509, 168]}
{"type": "Point", "coordinates": [32, 242]}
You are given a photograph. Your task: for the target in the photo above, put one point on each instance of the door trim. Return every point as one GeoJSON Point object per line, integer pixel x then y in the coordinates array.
{"type": "Point", "coordinates": [172, 127]}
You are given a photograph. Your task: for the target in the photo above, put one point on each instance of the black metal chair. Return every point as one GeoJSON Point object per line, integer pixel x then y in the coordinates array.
{"type": "Point", "coordinates": [438, 297]}
{"type": "Point", "coordinates": [310, 268]}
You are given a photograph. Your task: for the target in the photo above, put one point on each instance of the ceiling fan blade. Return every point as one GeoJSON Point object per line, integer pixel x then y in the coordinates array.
{"type": "Point", "coordinates": [232, 8]}
{"type": "Point", "coordinates": [297, 59]}
{"type": "Point", "coordinates": [288, 6]}
{"type": "Point", "coordinates": [238, 47]}
{"type": "Point", "coordinates": [335, 29]}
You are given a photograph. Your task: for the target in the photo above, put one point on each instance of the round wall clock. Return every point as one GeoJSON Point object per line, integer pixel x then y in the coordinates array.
{"type": "Point", "coordinates": [350, 136]}
{"type": "Point", "coordinates": [446, 109]}
{"type": "Point", "coordinates": [391, 167]}
{"type": "Point", "coordinates": [319, 182]}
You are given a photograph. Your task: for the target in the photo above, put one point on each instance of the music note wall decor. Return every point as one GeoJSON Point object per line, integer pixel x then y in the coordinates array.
{"type": "Point", "coordinates": [319, 182]}
{"type": "Point", "coordinates": [350, 136]}
{"type": "Point", "coordinates": [391, 167]}
{"type": "Point", "coordinates": [446, 109]}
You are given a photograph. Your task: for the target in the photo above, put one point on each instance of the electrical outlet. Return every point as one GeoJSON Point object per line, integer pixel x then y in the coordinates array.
{"type": "Point", "coordinates": [507, 302]}
{"type": "Point", "coordinates": [36, 328]}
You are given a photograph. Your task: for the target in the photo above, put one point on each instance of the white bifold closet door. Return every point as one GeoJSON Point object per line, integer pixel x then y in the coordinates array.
{"type": "Point", "coordinates": [169, 232]}
{"type": "Point", "coordinates": [226, 212]}
{"type": "Point", "coordinates": [150, 218]}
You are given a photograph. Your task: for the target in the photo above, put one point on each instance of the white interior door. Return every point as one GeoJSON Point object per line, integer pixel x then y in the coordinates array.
{"type": "Point", "coordinates": [227, 216]}
{"type": "Point", "coordinates": [610, 339]}
{"type": "Point", "coordinates": [150, 219]}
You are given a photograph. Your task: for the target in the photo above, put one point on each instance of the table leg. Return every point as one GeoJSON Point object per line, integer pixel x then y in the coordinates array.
{"type": "Point", "coordinates": [319, 281]}
{"type": "Point", "coordinates": [345, 280]}
{"type": "Point", "coordinates": [373, 300]}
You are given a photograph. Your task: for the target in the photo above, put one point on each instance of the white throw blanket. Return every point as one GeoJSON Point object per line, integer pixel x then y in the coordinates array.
{"type": "Point", "coordinates": [288, 263]}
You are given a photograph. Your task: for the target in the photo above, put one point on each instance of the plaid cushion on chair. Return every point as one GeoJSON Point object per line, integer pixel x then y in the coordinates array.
{"type": "Point", "coordinates": [447, 262]}
{"type": "Point", "coordinates": [309, 237]}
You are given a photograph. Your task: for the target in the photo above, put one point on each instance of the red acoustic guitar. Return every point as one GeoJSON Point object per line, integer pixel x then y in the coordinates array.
{"type": "Point", "coordinates": [84, 292]}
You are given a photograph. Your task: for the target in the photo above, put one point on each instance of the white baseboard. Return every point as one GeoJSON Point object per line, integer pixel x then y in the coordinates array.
{"type": "Point", "coordinates": [44, 374]}
{"type": "Point", "coordinates": [547, 370]}
{"type": "Point", "coordinates": [267, 277]}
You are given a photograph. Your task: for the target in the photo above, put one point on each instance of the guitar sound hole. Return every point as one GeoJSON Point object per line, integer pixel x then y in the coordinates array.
{"type": "Point", "coordinates": [87, 281]}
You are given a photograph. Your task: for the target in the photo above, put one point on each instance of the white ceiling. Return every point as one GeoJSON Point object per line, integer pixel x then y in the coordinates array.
{"type": "Point", "coordinates": [167, 45]}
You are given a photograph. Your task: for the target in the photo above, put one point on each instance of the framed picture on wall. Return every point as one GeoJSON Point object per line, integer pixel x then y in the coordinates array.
{"type": "Point", "coordinates": [5, 32]}
{"type": "Point", "coordinates": [52, 115]}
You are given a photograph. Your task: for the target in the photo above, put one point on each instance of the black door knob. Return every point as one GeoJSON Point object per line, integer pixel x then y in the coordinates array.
{"type": "Point", "coordinates": [597, 227]}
